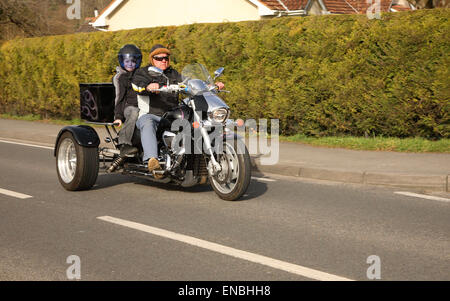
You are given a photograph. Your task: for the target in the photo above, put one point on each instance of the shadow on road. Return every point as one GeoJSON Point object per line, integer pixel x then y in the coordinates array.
{"type": "Point", "coordinates": [105, 180]}
{"type": "Point", "coordinates": [255, 190]}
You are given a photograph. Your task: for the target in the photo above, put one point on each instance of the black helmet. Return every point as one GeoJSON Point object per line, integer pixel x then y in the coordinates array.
{"type": "Point", "coordinates": [130, 51]}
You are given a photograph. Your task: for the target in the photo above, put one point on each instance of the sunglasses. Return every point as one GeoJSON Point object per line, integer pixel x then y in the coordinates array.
{"type": "Point", "coordinates": [161, 58]}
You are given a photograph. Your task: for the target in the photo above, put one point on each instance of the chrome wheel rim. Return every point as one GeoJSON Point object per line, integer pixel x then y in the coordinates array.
{"type": "Point", "coordinates": [67, 160]}
{"type": "Point", "coordinates": [226, 180]}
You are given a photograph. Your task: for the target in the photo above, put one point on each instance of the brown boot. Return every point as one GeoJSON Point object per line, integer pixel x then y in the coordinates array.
{"type": "Point", "coordinates": [153, 164]}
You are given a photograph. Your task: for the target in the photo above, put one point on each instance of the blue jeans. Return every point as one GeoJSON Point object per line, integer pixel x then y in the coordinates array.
{"type": "Point", "coordinates": [148, 124]}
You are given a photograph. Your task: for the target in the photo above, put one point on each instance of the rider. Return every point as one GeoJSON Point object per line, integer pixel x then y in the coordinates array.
{"type": "Point", "coordinates": [144, 83]}
{"type": "Point", "coordinates": [153, 104]}
{"type": "Point", "coordinates": [126, 106]}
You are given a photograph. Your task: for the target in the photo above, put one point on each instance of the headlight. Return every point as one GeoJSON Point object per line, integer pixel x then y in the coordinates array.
{"type": "Point", "coordinates": [219, 115]}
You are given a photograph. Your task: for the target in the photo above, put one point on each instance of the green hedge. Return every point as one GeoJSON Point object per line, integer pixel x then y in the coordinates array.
{"type": "Point", "coordinates": [320, 75]}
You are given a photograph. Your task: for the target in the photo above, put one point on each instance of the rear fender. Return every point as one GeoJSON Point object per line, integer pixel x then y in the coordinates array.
{"type": "Point", "coordinates": [84, 135]}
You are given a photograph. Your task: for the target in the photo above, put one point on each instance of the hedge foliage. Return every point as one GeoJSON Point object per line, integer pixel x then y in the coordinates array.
{"type": "Point", "coordinates": [320, 75]}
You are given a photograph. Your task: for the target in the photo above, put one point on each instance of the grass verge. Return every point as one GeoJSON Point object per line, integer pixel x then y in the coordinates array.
{"type": "Point", "coordinates": [416, 145]}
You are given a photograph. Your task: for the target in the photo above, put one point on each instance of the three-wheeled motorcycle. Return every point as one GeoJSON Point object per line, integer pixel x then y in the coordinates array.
{"type": "Point", "coordinates": [196, 140]}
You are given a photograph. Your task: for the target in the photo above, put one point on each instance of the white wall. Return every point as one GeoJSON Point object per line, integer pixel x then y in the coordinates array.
{"type": "Point", "coordinates": [151, 13]}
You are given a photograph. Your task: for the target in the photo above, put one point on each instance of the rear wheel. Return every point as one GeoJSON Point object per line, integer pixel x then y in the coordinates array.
{"type": "Point", "coordinates": [233, 180]}
{"type": "Point", "coordinates": [77, 166]}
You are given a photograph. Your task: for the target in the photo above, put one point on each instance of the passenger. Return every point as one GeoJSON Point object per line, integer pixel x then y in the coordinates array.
{"type": "Point", "coordinates": [126, 110]}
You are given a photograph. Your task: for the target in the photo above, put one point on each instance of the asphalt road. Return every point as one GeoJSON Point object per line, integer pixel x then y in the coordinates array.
{"type": "Point", "coordinates": [289, 229]}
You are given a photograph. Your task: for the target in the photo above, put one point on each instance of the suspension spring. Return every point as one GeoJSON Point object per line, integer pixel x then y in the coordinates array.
{"type": "Point", "coordinates": [116, 163]}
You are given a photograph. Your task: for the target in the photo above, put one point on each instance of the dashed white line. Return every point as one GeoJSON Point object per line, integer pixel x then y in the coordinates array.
{"type": "Point", "coordinates": [267, 261]}
{"type": "Point", "coordinates": [423, 196]}
{"type": "Point", "coordinates": [26, 144]}
{"type": "Point", "coordinates": [15, 194]}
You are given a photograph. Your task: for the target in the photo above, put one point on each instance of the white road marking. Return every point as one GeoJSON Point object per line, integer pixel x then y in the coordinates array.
{"type": "Point", "coordinates": [267, 261]}
{"type": "Point", "coordinates": [263, 179]}
{"type": "Point", "coordinates": [15, 194]}
{"type": "Point", "coordinates": [26, 144]}
{"type": "Point", "coordinates": [423, 196]}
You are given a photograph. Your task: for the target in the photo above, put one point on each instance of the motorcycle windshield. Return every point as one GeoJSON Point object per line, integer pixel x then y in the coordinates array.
{"type": "Point", "coordinates": [196, 71]}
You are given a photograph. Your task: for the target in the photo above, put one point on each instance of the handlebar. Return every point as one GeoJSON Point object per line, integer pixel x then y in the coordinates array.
{"type": "Point", "coordinates": [181, 88]}
{"type": "Point", "coordinates": [172, 89]}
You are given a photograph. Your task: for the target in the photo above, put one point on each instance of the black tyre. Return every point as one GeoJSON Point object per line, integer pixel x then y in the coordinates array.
{"type": "Point", "coordinates": [77, 166]}
{"type": "Point", "coordinates": [232, 182]}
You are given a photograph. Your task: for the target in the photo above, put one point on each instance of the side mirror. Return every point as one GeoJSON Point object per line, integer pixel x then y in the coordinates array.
{"type": "Point", "coordinates": [218, 72]}
{"type": "Point", "coordinates": [154, 71]}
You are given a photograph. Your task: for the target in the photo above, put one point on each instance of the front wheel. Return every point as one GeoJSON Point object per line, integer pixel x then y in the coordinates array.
{"type": "Point", "coordinates": [233, 180]}
{"type": "Point", "coordinates": [77, 166]}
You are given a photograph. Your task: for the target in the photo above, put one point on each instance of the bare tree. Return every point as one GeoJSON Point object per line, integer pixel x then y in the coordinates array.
{"type": "Point", "coordinates": [28, 18]}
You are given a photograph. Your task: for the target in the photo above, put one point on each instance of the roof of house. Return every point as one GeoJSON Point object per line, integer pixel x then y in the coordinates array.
{"type": "Point", "coordinates": [334, 6]}
{"type": "Point", "coordinates": [290, 4]}
{"type": "Point", "coordinates": [363, 5]}
{"type": "Point", "coordinates": [358, 6]}
{"type": "Point", "coordinates": [400, 7]}
{"type": "Point", "coordinates": [102, 13]}
{"type": "Point", "coordinates": [339, 7]}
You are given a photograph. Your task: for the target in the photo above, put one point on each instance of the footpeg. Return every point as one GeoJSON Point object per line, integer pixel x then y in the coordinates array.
{"type": "Point", "coordinates": [158, 174]}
